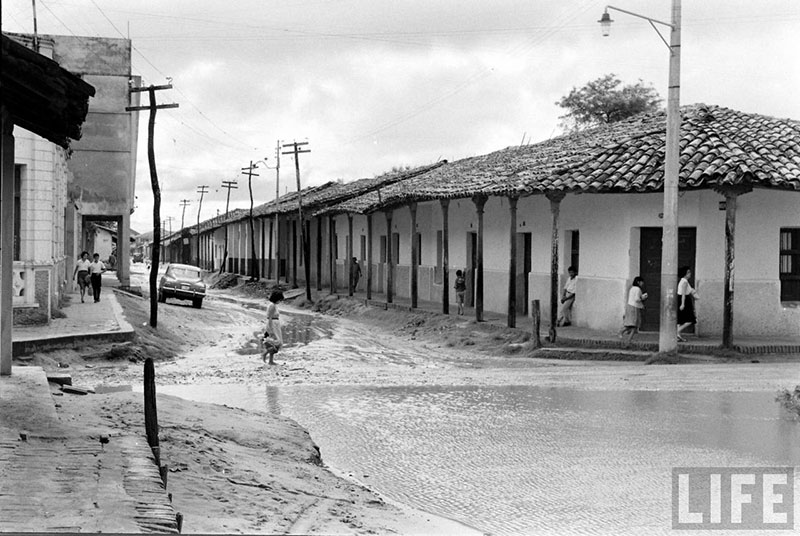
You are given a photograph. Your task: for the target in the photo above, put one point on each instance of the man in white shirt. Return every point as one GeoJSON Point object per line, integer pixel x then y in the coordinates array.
{"type": "Point", "coordinates": [96, 268]}
{"type": "Point", "coordinates": [568, 298]}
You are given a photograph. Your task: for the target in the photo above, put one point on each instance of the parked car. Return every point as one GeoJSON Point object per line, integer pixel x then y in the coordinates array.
{"type": "Point", "coordinates": [183, 282]}
{"type": "Point", "coordinates": [138, 257]}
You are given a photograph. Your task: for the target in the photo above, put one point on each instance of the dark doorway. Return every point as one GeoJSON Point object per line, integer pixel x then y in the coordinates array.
{"type": "Point", "coordinates": [523, 271]}
{"type": "Point", "coordinates": [471, 269]}
{"type": "Point", "coordinates": [650, 268]}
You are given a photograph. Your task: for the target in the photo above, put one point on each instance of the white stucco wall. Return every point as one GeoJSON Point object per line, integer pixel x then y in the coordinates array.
{"type": "Point", "coordinates": [609, 227]}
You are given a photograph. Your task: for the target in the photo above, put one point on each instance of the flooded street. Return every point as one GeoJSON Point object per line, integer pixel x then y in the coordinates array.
{"type": "Point", "coordinates": [526, 460]}
{"type": "Point", "coordinates": [507, 445]}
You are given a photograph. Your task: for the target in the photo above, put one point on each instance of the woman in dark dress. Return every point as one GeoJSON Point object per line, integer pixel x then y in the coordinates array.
{"type": "Point", "coordinates": [686, 297]}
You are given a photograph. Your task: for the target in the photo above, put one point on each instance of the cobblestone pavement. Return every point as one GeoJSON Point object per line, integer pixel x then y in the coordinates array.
{"type": "Point", "coordinates": [58, 478]}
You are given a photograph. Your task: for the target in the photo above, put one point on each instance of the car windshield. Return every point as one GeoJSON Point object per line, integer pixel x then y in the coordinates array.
{"type": "Point", "coordinates": [184, 273]}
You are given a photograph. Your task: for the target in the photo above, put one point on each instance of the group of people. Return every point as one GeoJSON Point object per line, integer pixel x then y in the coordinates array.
{"type": "Point", "coordinates": [89, 272]}
{"type": "Point", "coordinates": [272, 340]}
{"type": "Point", "coordinates": [634, 307]}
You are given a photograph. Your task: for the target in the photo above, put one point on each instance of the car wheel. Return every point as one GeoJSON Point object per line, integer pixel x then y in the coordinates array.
{"type": "Point", "coordinates": [197, 303]}
{"type": "Point", "coordinates": [161, 297]}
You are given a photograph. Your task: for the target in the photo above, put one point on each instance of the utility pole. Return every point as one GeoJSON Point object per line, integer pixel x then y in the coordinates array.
{"type": "Point", "coordinates": [277, 217]}
{"type": "Point", "coordinates": [253, 262]}
{"type": "Point", "coordinates": [151, 158]}
{"type": "Point", "coordinates": [202, 190]}
{"type": "Point", "coordinates": [184, 203]}
{"type": "Point", "coordinates": [296, 151]}
{"type": "Point", "coordinates": [229, 185]}
{"type": "Point", "coordinates": [35, 29]}
{"type": "Point", "coordinates": [169, 222]}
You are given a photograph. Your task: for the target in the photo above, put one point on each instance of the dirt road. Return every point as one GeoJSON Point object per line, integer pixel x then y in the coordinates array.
{"type": "Point", "coordinates": [235, 471]}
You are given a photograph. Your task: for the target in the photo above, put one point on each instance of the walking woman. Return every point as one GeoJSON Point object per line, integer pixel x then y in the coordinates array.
{"type": "Point", "coordinates": [82, 272]}
{"type": "Point", "coordinates": [633, 310]}
{"type": "Point", "coordinates": [686, 297]}
{"type": "Point", "coordinates": [273, 336]}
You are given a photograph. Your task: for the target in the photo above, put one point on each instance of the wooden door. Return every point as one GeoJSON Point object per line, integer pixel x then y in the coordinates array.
{"type": "Point", "coordinates": [471, 270]}
{"type": "Point", "coordinates": [523, 271]}
{"type": "Point", "coordinates": [650, 268]}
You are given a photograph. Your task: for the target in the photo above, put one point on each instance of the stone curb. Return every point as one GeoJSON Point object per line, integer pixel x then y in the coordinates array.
{"type": "Point", "coordinates": [123, 333]}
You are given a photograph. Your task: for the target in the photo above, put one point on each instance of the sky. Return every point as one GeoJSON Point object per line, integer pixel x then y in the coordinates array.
{"type": "Point", "coordinates": [377, 84]}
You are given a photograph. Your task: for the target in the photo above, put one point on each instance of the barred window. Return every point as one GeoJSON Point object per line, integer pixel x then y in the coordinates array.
{"type": "Point", "coordinates": [790, 264]}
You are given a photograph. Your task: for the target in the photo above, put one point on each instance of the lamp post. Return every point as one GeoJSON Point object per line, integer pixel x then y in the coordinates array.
{"type": "Point", "coordinates": [667, 339]}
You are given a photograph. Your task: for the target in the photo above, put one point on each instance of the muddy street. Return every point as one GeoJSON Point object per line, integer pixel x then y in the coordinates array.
{"type": "Point", "coordinates": [396, 406]}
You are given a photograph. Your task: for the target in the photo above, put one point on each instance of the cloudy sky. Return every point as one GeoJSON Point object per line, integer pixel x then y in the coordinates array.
{"type": "Point", "coordinates": [373, 84]}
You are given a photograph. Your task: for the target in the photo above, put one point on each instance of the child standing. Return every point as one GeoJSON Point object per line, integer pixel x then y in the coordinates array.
{"type": "Point", "coordinates": [461, 290]}
{"type": "Point", "coordinates": [273, 336]}
{"type": "Point", "coordinates": [633, 310]}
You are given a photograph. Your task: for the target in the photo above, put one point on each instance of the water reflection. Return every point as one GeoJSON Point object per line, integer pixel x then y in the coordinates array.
{"type": "Point", "coordinates": [522, 460]}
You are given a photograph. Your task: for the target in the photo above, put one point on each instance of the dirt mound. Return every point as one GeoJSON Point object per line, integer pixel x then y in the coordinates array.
{"type": "Point", "coordinates": [222, 281]}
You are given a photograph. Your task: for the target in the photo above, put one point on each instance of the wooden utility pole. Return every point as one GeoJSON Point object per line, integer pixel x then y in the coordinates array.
{"type": "Point", "coordinates": [184, 203]}
{"type": "Point", "coordinates": [202, 190]}
{"type": "Point", "coordinates": [253, 261]}
{"type": "Point", "coordinates": [228, 185]}
{"type": "Point", "coordinates": [277, 215]}
{"type": "Point", "coordinates": [151, 158]}
{"type": "Point", "coordinates": [296, 151]}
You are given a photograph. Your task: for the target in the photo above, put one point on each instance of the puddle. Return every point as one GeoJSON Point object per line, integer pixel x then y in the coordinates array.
{"type": "Point", "coordinates": [528, 460]}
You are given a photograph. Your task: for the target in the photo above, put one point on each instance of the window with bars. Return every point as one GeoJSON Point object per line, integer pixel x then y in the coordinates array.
{"type": "Point", "coordinates": [790, 264]}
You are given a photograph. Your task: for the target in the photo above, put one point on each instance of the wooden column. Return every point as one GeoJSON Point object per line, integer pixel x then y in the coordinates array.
{"type": "Point", "coordinates": [445, 257]}
{"type": "Point", "coordinates": [6, 241]}
{"type": "Point", "coordinates": [269, 254]}
{"type": "Point", "coordinates": [369, 256]}
{"type": "Point", "coordinates": [349, 256]}
{"type": "Point", "coordinates": [555, 204]}
{"type": "Point", "coordinates": [277, 248]}
{"type": "Point", "coordinates": [731, 195]}
{"type": "Point", "coordinates": [261, 260]}
{"type": "Point", "coordinates": [331, 251]}
{"type": "Point", "coordinates": [294, 253]}
{"type": "Point", "coordinates": [319, 252]}
{"type": "Point", "coordinates": [480, 202]}
{"type": "Point", "coordinates": [512, 263]}
{"type": "Point", "coordinates": [414, 256]}
{"type": "Point", "coordinates": [389, 262]}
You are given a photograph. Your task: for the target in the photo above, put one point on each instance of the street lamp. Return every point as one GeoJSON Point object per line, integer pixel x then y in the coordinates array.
{"type": "Point", "coordinates": [667, 339]}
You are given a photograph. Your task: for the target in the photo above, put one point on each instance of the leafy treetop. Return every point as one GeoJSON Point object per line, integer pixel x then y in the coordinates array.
{"type": "Point", "coordinates": [603, 101]}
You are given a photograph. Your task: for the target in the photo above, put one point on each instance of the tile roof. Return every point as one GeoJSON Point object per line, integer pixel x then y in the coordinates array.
{"type": "Point", "coordinates": [41, 96]}
{"type": "Point", "coordinates": [333, 192]}
{"type": "Point", "coordinates": [719, 147]}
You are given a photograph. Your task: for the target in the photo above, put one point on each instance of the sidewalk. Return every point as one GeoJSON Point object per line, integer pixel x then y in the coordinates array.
{"type": "Point", "coordinates": [82, 323]}
{"type": "Point", "coordinates": [585, 339]}
{"type": "Point", "coordinates": [58, 477]}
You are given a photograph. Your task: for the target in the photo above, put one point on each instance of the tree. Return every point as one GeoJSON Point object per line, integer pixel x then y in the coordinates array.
{"type": "Point", "coordinates": [603, 101]}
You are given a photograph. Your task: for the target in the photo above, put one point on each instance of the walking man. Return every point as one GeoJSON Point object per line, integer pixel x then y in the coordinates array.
{"type": "Point", "coordinates": [568, 298]}
{"type": "Point", "coordinates": [96, 269]}
{"type": "Point", "coordinates": [355, 273]}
